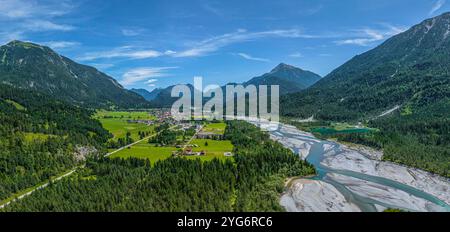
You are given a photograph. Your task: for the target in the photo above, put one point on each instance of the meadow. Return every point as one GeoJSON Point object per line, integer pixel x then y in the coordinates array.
{"type": "Point", "coordinates": [144, 150]}
{"type": "Point", "coordinates": [117, 123]}
{"type": "Point", "coordinates": [214, 149]}
{"type": "Point", "coordinates": [134, 115]}
{"type": "Point", "coordinates": [217, 128]}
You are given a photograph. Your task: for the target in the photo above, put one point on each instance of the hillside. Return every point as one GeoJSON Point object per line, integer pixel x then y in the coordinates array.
{"type": "Point", "coordinates": [41, 137]}
{"type": "Point", "coordinates": [410, 70]}
{"type": "Point", "coordinates": [34, 67]}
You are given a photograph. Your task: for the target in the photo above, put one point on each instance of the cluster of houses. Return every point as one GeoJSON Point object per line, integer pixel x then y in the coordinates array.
{"type": "Point", "coordinates": [209, 135]}
{"type": "Point", "coordinates": [161, 117]}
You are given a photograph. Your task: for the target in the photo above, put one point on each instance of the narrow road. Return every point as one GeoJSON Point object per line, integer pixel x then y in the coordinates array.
{"type": "Point", "coordinates": [42, 186]}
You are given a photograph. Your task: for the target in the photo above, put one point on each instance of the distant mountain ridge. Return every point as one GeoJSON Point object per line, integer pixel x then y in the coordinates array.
{"type": "Point", "coordinates": [147, 94]}
{"type": "Point", "coordinates": [30, 66]}
{"type": "Point", "coordinates": [290, 79]}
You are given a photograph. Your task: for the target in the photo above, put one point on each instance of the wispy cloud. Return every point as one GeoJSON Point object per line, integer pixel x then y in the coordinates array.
{"type": "Point", "coordinates": [213, 44]}
{"type": "Point", "coordinates": [19, 17]}
{"type": "Point", "coordinates": [144, 74]}
{"type": "Point", "coordinates": [132, 31]}
{"type": "Point", "coordinates": [151, 81]}
{"type": "Point", "coordinates": [44, 25]}
{"type": "Point", "coordinates": [296, 55]}
{"type": "Point", "coordinates": [20, 9]}
{"type": "Point", "coordinates": [436, 6]}
{"type": "Point", "coordinates": [249, 57]}
{"type": "Point", "coordinates": [61, 44]}
{"type": "Point", "coordinates": [197, 49]}
{"type": "Point", "coordinates": [368, 36]}
{"type": "Point", "coordinates": [128, 52]}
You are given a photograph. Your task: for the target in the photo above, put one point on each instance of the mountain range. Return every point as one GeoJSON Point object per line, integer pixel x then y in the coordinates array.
{"type": "Point", "coordinates": [149, 96]}
{"type": "Point", "coordinates": [289, 78]}
{"type": "Point", "coordinates": [30, 66]}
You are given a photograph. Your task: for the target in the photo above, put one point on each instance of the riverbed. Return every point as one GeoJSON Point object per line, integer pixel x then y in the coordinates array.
{"type": "Point", "coordinates": [355, 179]}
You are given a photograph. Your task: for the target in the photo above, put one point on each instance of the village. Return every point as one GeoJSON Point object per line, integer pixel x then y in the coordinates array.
{"type": "Point", "coordinates": [187, 139]}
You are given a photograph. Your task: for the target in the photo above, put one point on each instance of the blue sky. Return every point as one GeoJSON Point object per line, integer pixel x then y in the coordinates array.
{"type": "Point", "coordinates": [150, 44]}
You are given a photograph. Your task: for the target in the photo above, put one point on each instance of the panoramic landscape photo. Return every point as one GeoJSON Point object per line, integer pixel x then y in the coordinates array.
{"type": "Point", "coordinates": [224, 106]}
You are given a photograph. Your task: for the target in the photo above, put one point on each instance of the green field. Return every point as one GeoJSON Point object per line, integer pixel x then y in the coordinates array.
{"type": "Point", "coordinates": [135, 115]}
{"type": "Point", "coordinates": [217, 128]}
{"type": "Point", "coordinates": [118, 125]}
{"type": "Point", "coordinates": [17, 105]}
{"type": "Point", "coordinates": [144, 150]}
{"type": "Point", "coordinates": [340, 128]}
{"type": "Point", "coordinates": [215, 148]}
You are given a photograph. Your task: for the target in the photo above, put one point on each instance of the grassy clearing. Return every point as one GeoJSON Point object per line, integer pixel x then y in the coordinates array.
{"type": "Point", "coordinates": [119, 127]}
{"type": "Point", "coordinates": [116, 122]}
{"type": "Point", "coordinates": [217, 128]}
{"type": "Point", "coordinates": [143, 115]}
{"type": "Point", "coordinates": [215, 148]}
{"type": "Point", "coordinates": [144, 150]}
{"type": "Point", "coordinates": [31, 137]}
{"type": "Point", "coordinates": [17, 105]}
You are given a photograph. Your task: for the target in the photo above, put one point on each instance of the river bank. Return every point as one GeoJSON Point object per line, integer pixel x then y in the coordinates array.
{"type": "Point", "coordinates": [362, 161]}
{"type": "Point", "coordinates": [355, 179]}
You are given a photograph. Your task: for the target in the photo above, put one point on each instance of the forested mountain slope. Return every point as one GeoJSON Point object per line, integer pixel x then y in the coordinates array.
{"type": "Point", "coordinates": [41, 137]}
{"type": "Point", "coordinates": [410, 70]}
{"type": "Point", "coordinates": [34, 67]}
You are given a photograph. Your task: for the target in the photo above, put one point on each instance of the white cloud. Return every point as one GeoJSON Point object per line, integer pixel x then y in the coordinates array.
{"type": "Point", "coordinates": [201, 48]}
{"type": "Point", "coordinates": [6, 37]}
{"type": "Point", "coordinates": [296, 55]}
{"type": "Point", "coordinates": [170, 52]}
{"type": "Point", "coordinates": [144, 74]}
{"type": "Point", "coordinates": [368, 36]}
{"type": "Point", "coordinates": [249, 57]}
{"type": "Point", "coordinates": [61, 44]}
{"type": "Point", "coordinates": [436, 6]}
{"type": "Point", "coordinates": [121, 52]}
{"type": "Point", "coordinates": [20, 9]}
{"type": "Point", "coordinates": [151, 81]}
{"type": "Point", "coordinates": [132, 32]}
{"type": "Point", "coordinates": [43, 25]}
{"type": "Point", "coordinates": [215, 43]}
{"type": "Point", "coordinates": [18, 17]}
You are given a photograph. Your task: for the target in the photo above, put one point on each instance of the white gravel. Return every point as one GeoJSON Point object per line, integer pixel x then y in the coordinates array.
{"type": "Point", "coordinates": [354, 160]}
{"type": "Point", "coordinates": [387, 195]}
{"type": "Point", "coordinates": [315, 196]}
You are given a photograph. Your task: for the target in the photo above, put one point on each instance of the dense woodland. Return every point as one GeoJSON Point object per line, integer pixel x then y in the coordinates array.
{"type": "Point", "coordinates": [252, 181]}
{"type": "Point", "coordinates": [38, 137]}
